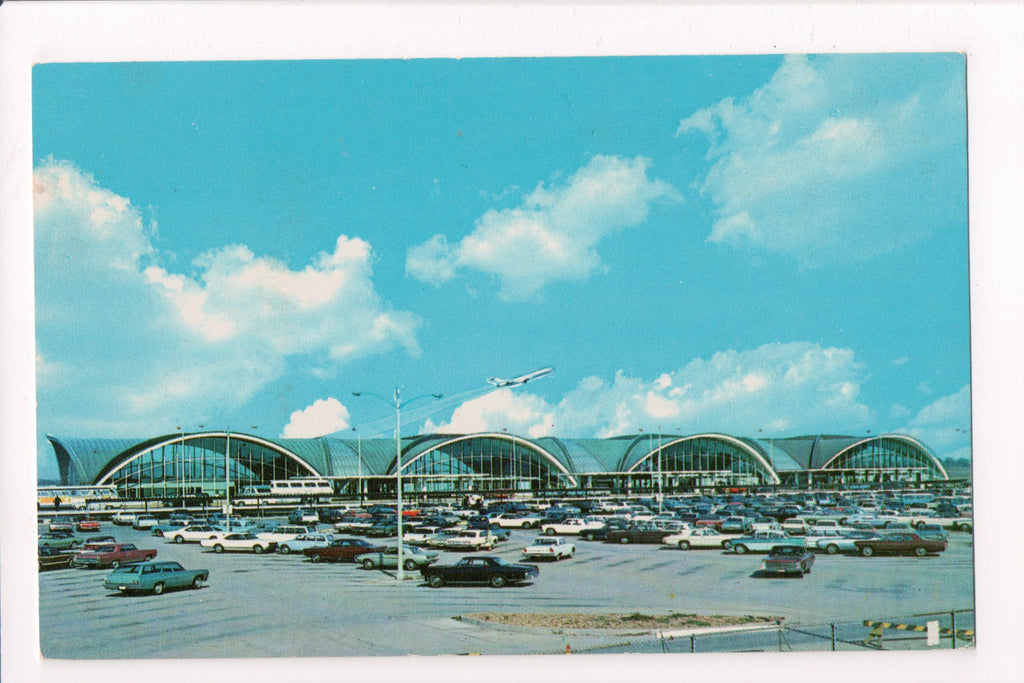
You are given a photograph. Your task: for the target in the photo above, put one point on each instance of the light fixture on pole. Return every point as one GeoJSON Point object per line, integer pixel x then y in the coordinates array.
{"type": "Point", "coordinates": [396, 403]}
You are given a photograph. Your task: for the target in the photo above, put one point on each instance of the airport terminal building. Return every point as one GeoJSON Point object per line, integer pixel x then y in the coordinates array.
{"type": "Point", "coordinates": [203, 463]}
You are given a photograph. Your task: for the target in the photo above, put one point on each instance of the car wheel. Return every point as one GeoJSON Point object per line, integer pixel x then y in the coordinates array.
{"type": "Point", "coordinates": [158, 532]}
{"type": "Point", "coordinates": [369, 564]}
{"type": "Point", "coordinates": [741, 549]}
{"type": "Point", "coordinates": [315, 558]}
{"type": "Point", "coordinates": [497, 582]}
{"type": "Point", "coordinates": [867, 551]}
{"type": "Point", "coordinates": [179, 539]}
{"type": "Point", "coordinates": [588, 536]}
{"type": "Point", "coordinates": [624, 540]}
{"type": "Point", "coordinates": [197, 582]}
{"type": "Point", "coordinates": [218, 548]}
{"type": "Point", "coordinates": [920, 551]}
{"type": "Point", "coordinates": [726, 545]}
{"type": "Point", "coordinates": [284, 550]}
{"type": "Point", "coordinates": [549, 531]}
{"type": "Point", "coordinates": [115, 564]}
{"type": "Point", "coordinates": [258, 549]}
{"type": "Point", "coordinates": [409, 565]}
{"type": "Point", "coordinates": [832, 549]}
{"type": "Point", "coordinates": [435, 581]}
{"type": "Point", "coordinates": [158, 588]}
{"type": "Point", "coordinates": [683, 545]}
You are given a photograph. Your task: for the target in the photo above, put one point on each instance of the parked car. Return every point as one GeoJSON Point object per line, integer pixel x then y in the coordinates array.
{"type": "Point", "coordinates": [61, 524]}
{"type": "Point", "coordinates": [788, 559]}
{"type": "Point", "coordinates": [145, 522]}
{"type": "Point", "coordinates": [285, 533]}
{"type": "Point", "coordinates": [112, 555]}
{"type": "Point", "coordinates": [162, 528]}
{"type": "Point", "coordinates": [701, 537]}
{"type": "Point", "coordinates": [419, 534]}
{"type": "Point", "coordinates": [932, 531]}
{"type": "Point", "coordinates": [735, 525]}
{"type": "Point", "coordinates": [243, 541]}
{"type": "Point", "coordinates": [413, 557]}
{"type": "Point", "coordinates": [845, 542]}
{"type": "Point", "coordinates": [59, 540]}
{"type": "Point", "coordinates": [471, 539]}
{"type": "Point", "coordinates": [192, 534]}
{"type": "Point", "coordinates": [382, 528]}
{"type": "Point", "coordinates": [87, 524]}
{"type": "Point", "coordinates": [154, 577]}
{"type": "Point", "coordinates": [899, 544]}
{"type": "Point", "coordinates": [549, 549]}
{"type": "Point", "coordinates": [517, 520]}
{"type": "Point", "coordinates": [763, 541]}
{"type": "Point", "coordinates": [639, 533]}
{"type": "Point", "coordinates": [609, 525]}
{"type": "Point", "coordinates": [302, 516]}
{"type": "Point", "coordinates": [439, 539]}
{"type": "Point", "coordinates": [479, 569]}
{"type": "Point", "coordinates": [341, 550]}
{"type": "Point", "coordinates": [54, 558]}
{"type": "Point", "coordinates": [571, 525]}
{"type": "Point", "coordinates": [303, 541]}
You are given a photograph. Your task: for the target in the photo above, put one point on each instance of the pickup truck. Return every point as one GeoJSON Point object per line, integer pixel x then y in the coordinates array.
{"type": "Point", "coordinates": [112, 555]}
{"type": "Point", "coordinates": [481, 569]}
{"type": "Point", "coordinates": [787, 559]}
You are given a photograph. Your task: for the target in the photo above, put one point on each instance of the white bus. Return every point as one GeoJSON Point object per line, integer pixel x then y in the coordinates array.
{"type": "Point", "coordinates": [77, 497]}
{"type": "Point", "coordinates": [301, 487]}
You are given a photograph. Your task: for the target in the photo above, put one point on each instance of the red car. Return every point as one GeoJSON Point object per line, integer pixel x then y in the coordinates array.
{"type": "Point", "coordinates": [88, 525]}
{"type": "Point", "coordinates": [342, 550]}
{"type": "Point", "coordinates": [112, 555]}
{"type": "Point", "coordinates": [900, 544]}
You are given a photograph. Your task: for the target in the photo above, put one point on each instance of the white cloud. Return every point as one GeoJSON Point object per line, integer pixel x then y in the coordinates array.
{"type": "Point", "coordinates": [552, 235]}
{"type": "Point", "coordinates": [835, 157]}
{"type": "Point", "coordinates": [792, 388]}
{"type": "Point", "coordinates": [152, 345]}
{"type": "Point", "coordinates": [944, 424]}
{"type": "Point", "coordinates": [325, 416]}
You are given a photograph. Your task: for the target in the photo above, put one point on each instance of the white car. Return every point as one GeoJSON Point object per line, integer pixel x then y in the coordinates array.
{"type": "Point", "coordinates": [549, 548]}
{"type": "Point", "coordinates": [572, 525]}
{"type": "Point", "coordinates": [123, 518]}
{"type": "Point", "coordinates": [303, 541]}
{"type": "Point", "coordinates": [844, 543]}
{"type": "Point", "coordinates": [145, 522]}
{"type": "Point", "coordinates": [419, 534]}
{"type": "Point", "coordinates": [243, 541]}
{"type": "Point", "coordinates": [701, 537]}
{"type": "Point", "coordinates": [192, 534]}
{"type": "Point", "coordinates": [282, 533]}
{"type": "Point", "coordinates": [471, 539]}
{"type": "Point", "coordinates": [516, 520]}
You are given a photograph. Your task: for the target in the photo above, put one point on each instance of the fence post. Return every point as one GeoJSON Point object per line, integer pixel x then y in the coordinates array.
{"type": "Point", "coordinates": [952, 628]}
{"type": "Point", "coordinates": [833, 628]}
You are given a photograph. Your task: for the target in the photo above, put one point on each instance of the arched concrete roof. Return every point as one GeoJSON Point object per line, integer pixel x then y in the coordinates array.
{"type": "Point", "coordinates": [87, 460]}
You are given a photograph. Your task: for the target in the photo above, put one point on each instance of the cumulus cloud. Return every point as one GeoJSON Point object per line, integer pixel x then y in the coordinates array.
{"type": "Point", "coordinates": [944, 424]}
{"type": "Point", "coordinates": [791, 388]}
{"type": "Point", "coordinates": [325, 416]}
{"type": "Point", "coordinates": [552, 235]}
{"type": "Point", "coordinates": [153, 345]}
{"type": "Point", "coordinates": [835, 157]}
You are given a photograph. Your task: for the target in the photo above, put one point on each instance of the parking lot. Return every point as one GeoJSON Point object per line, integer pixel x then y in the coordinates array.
{"type": "Point", "coordinates": [276, 605]}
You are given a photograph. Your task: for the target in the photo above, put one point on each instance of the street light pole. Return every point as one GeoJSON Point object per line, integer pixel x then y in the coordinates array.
{"type": "Point", "coordinates": [227, 481]}
{"type": "Point", "coordinates": [396, 403]}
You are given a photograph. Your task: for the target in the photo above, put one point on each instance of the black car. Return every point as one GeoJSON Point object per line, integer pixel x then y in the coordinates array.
{"type": "Point", "coordinates": [488, 569]}
{"type": "Point", "coordinates": [600, 534]}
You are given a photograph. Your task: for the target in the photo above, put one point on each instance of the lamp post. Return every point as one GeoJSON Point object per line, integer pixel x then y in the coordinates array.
{"type": "Point", "coordinates": [396, 403]}
{"type": "Point", "coordinates": [227, 481]}
{"type": "Point", "coordinates": [359, 464]}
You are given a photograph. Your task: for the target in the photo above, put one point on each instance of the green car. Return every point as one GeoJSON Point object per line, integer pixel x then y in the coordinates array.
{"type": "Point", "coordinates": [414, 558]}
{"type": "Point", "coordinates": [59, 540]}
{"type": "Point", "coordinates": [154, 577]}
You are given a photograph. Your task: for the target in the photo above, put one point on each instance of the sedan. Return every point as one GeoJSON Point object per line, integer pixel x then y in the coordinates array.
{"type": "Point", "coordinates": [154, 577]}
{"type": "Point", "coordinates": [549, 549]}
{"type": "Point", "coordinates": [59, 540]}
{"type": "Point", "coordinates": [61, 524]}
{"type": "Point", "coordinates": [192, 534]}
{"type": "Point", "coordinates": [702, 537]}
{"type": "Point", "coordinates": [412, 558]}
{"type": "Point", "coordinates": [899, 544]}
{"type": "Point", "coordinates": [242, 542]}
{"type": "Point", "coordinates": [87, 524]}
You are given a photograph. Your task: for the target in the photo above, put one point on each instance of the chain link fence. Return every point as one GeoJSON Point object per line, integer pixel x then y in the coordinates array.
{"type": "Point", "coordinates": [935, 630]}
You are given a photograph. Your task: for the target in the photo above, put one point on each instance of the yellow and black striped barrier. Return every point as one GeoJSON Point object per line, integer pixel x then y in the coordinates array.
{"type": "Point", "coordinates": [874, 638]}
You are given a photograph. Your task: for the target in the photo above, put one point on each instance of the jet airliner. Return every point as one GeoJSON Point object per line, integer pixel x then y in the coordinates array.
{"type": "Point", "coordinates": [522, 379]}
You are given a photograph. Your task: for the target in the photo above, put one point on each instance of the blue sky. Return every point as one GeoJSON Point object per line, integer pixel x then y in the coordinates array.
{"type": "Point", "coordinates": [693, 243]}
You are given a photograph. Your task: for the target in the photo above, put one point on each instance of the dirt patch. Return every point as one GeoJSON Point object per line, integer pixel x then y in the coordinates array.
{"type": "Point", "coordinates": [634, 620]}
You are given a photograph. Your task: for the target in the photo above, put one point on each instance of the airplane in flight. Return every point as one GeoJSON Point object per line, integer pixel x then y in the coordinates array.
{"type": "Point", "coordinates": [522, 379]}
